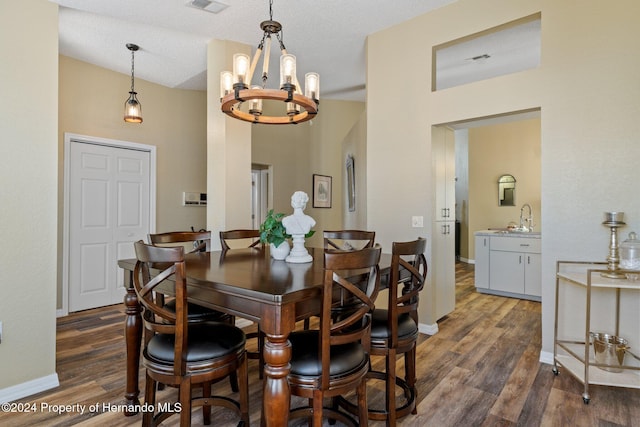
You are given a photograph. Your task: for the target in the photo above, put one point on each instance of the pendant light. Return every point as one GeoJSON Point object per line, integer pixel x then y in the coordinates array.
{"type": "Point", "coordinates": [132, 108]}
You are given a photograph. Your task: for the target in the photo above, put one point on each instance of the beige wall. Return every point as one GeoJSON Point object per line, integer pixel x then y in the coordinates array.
{"type": "Point", "coordinates": [510, 148]}
{"type": "Point", "coordinates": [589, 126]}
{"type": "Point", "coordinates": [28, 191]}
{"type": "Point", "coordinates": [92, 103]}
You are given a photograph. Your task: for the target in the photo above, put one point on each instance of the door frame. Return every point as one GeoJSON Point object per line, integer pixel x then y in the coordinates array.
{"type": "Point", "coordinates": [84, 139]}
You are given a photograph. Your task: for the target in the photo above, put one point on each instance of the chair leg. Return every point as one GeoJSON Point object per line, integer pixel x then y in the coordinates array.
{"type": "Point", "coordinates": [243, 374]}
{"type": "Point", "coordinates": [150, 398]}
{"type": "Point", "coordinates": [185, 402]}
{"type": "Point", "coordinates": [206, 409]}
{"type": "Point", "coordinates": [260, 353]}
{"type": "Point", "coordinates": [410, 374]}
{"type": "Point", "coordinates": [233, 377]}
{"type": "Point", "coordinates": [363, 413]}
{"type": "Point", "coordinates": [317, 408]}
{"type": "Point", "coordinates": [390, 382]}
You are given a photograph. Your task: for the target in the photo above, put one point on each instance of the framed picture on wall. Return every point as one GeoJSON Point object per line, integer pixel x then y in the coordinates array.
{"type": "Point", "coordinates": [351, 183]}
{"type": "Point", "coordinates": [321, 191]}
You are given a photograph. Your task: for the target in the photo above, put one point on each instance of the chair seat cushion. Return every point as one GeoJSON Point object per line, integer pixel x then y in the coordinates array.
{"type": "Point", "coordinates": [206, 340]}
{"type": "Point", "coordinates": [197, 312]}
{"type": "Point", "coordinates": [305, 355]}
{"type": "Point", "coordinates": [379, 328]}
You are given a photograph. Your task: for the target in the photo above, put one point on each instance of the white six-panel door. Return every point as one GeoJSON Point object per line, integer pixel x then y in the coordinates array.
{"type": "Point", "coordinates": [108, 208]}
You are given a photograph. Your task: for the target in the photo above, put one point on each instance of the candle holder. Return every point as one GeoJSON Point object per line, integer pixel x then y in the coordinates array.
{"type": "Point", "coordinates": [613, 220]}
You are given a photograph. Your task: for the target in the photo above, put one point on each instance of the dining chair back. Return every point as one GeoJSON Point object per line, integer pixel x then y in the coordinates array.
{"type": "Point", "coordinates": [201, 240]}
{"type": "Point", "coordinates": [248, 238]}
{"type": "Point", "coordinates": [334, 359]}
{"type": "Point", "coordinates": [180, 353]}
{"type": "Point", "coordinates": [349, 239]}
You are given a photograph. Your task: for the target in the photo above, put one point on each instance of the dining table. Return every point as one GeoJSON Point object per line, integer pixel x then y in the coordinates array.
{"type": "Point", "coordinates": [246, 283]}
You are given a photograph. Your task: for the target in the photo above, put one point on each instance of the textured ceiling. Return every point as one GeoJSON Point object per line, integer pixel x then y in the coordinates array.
{"type": "Point", "coordinates": [327, 36]}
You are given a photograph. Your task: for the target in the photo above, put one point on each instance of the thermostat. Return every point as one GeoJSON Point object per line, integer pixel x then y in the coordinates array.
{"type": "Point", "coordinates": [194, 199]}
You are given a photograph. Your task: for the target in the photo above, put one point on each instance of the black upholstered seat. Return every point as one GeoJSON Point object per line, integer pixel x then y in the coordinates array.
{"type": "Point", "coordinates": [200, 346]}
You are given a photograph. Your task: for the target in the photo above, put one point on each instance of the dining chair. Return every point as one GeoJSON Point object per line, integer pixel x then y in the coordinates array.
{"type": "Point", "coordinates": [394, 330]}
{"type": "Point", "coordinates": [349, 239]}
{"type": "Point", "coordinates": [181, 353]}
{"type": "Point", "coordinates": [334, 359]}
{"type": "Point", "coordinates": [250, 238]}
{"type": "Point", "coordinates": [197, 241]}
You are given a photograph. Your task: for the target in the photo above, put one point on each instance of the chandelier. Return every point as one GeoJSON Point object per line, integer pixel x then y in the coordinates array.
{"type": "Point", "coordinates": [242, 101]}
{"type": "Point", "coordinates": [132, 108]}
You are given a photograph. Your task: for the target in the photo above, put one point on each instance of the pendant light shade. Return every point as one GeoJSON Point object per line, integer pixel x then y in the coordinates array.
{"type": "Point", "coordinates": [132, 107]}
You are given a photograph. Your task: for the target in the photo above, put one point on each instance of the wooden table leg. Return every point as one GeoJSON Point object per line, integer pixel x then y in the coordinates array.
{"type": "Point", "coordinates": [133, 337]}
{"type": "Point", "coordinates": [276, 393]}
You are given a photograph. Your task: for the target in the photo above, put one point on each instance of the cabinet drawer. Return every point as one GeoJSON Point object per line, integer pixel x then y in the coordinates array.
{"type": "Point", "coordinates": [515, 244]}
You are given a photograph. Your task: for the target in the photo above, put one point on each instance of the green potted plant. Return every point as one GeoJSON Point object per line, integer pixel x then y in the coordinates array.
{"type": "Point", "coordinates": [272, 232]}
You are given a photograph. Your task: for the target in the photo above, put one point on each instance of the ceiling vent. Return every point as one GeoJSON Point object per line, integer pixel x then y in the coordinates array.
{"type": "Point", "coordinates": [208, 5]}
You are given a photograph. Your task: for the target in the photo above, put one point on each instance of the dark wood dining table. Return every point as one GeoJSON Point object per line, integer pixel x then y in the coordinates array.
{"type": "Point", "coordinates": [250, 284]}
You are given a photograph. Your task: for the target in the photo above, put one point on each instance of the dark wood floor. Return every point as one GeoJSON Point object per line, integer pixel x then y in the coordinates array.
{"type": "Point", "coordinates": [481, 369]}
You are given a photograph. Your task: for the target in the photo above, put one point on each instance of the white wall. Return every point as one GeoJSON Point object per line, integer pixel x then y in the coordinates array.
{"type": "Point", "coordinates": [587, 89]}
{"type": "Point", "coordinates": [28, 196]}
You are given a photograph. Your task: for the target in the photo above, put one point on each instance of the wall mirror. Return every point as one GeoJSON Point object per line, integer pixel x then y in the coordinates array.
{"type": "Point", "coordinates": [506, 190]}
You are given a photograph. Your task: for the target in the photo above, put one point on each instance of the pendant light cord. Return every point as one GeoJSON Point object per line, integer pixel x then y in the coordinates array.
{"type": "Point", "coordinates": [132, 62]}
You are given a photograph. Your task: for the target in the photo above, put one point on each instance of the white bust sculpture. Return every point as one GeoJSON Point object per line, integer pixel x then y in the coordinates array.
{"type": "Point", "coordinates": [298, 225]}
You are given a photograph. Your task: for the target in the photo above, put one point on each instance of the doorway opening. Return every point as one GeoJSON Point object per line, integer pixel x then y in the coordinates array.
{"type": "Point", "coordinates": [261, 193]}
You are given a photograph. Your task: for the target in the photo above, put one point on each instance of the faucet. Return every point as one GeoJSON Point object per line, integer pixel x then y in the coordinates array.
{"type": "Point", "coordinates": [529, 219]}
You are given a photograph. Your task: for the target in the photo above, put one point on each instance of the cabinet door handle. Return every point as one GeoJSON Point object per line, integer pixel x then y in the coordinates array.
{"type": "Point", "coordinates": [528, 259]}
{"type": "Point", "coordinates": [520, 259]}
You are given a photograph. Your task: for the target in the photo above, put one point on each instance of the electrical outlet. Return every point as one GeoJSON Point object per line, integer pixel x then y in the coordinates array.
{"type": "Point", "coordinates": [417, 221]}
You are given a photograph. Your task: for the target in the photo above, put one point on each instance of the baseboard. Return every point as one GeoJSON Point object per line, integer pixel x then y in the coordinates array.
{"type": "Point", "coordinates": [28, 388]}
{"type": "Point", "coordinates": [546, 357]}
{"type": "Point", "coordinates": [428, 329]}
{"type": "Point", "coordinates": [61, 312]}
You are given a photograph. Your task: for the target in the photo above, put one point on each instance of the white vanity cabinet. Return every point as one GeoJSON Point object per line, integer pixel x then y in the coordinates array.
{"type": "Point", "coordinates": [482, 261]}
{"type": "Point", "coordinates": [510, 265]}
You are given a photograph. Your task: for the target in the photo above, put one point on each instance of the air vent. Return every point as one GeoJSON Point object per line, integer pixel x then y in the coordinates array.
{"type": "Point", "coordinates": [208, 5]}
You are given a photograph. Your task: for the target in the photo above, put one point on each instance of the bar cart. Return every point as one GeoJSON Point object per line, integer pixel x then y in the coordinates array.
{"type": "Point", "coordinates": [588, 300]}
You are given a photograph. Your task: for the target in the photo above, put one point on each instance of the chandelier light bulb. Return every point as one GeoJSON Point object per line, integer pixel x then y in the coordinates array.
{"type": "Point", "coordinates": [312, 86]}
{"type": "Point", "coordinates": [226, 83]}
{"type": "Point", "coordinates": [241, 69]}
{"type": "Point", "coordinates": [287, 70]}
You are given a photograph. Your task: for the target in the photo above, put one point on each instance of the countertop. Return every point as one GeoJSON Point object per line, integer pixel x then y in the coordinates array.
{"type": "Point", "coordinates": [505, 233]}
